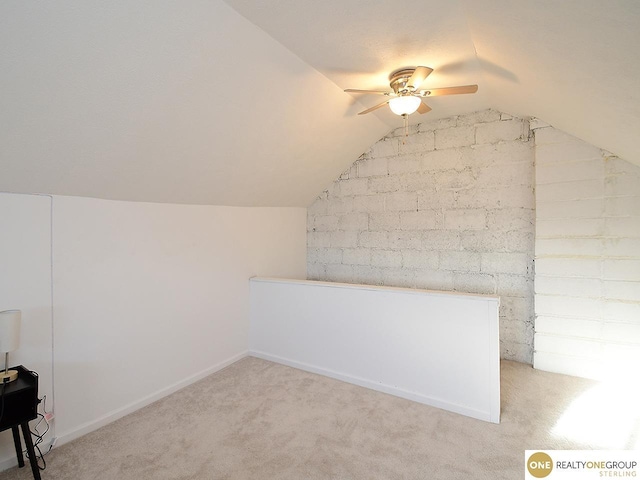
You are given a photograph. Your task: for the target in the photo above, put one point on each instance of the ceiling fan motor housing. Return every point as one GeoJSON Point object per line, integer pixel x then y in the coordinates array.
{"type": "Point", "coordinates": [398, 81]}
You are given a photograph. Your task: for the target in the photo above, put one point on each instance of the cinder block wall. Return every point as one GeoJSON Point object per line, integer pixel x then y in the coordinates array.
{"type": "Point", "coordinates": [450, 207]}
{"type": "Point", "coordinates": [587, 258]}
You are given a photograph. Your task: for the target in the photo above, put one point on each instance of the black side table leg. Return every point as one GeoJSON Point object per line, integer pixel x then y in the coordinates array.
{"type": "Point", "coordinates": [18, 444]}
{"type": "Point", "coordinates": [30, 450]}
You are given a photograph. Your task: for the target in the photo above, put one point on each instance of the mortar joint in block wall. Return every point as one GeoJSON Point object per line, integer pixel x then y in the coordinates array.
{"type": "Point", "coordinates": [527, 133]}
{"type": "Point", "coordinates": [436, 218]}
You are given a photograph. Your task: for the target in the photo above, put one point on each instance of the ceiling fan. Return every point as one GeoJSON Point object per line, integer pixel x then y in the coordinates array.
{"type": "Point", "coordinates": [406, 96]}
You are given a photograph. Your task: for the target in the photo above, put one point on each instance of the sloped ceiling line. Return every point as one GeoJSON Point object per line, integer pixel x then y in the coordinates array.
{"type": "Point", "coordinates": [241, 103]}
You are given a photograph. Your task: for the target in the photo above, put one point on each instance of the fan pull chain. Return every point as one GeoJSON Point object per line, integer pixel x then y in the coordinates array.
{"type": "Point", "coordinates": [406, 126]}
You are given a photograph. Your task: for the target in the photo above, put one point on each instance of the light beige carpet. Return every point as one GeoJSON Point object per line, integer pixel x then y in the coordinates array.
{"type": "Point", "coordinates": [260, 420]}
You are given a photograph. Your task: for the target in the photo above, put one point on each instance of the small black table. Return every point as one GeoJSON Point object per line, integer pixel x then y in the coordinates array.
{"type": "Point", "coordinates": [20, 399]}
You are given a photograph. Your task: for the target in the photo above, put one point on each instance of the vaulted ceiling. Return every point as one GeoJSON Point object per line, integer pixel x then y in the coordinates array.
{"type": "Point", "coordinates": [241, 103]}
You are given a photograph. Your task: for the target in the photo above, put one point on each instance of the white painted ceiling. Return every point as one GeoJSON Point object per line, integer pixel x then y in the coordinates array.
{"type": "Point", "coordinates": [241, 103]}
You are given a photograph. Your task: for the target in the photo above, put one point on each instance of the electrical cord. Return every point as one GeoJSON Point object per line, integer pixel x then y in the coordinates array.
{"type": "Point", "coordinates": [40, 436]}
{"type": "Point", "coordinates": [35, 432]}
{"type": "Point", "coordinates": [39, 439]}
{"type": "Point", "coordinates": [4, 383]}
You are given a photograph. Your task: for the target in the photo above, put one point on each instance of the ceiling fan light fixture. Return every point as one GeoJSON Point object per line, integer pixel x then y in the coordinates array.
{"type": "Point", "coordinates": [404, 105]}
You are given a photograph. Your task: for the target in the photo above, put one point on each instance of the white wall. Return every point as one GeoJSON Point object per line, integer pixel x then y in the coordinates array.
{"type": "Point", "coordinates": [450, 207]}
{"type": "Point", "coordinates": [146, 297]}
{"type": "Point", "coordinates": [437, 348]}
{"type": "Point", "coordinates": [587, 279]}
{"type": "Point", "coordinates": [25, 284]}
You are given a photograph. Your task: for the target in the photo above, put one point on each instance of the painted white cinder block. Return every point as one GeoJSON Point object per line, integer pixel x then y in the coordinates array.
{"type": "Point", "coordinates": [550, 135]}
{"type": "Point", "coordinates": [512, 263]}
{"type": "Point", "coordinates": [478, 283]}
{"type": "Point", "coordinates": [565, 306]}
{"type": "Point", "coordinates": [621, 269]}
{"type": "Point", "coordinates": [372, 166]}
{"type": "Point", "coordinates": [356, 186]}
{"type": "Point", "coordinates": [589, 208]}
{"type": "Point", "coordinates": [407, 164]}
{"type": "Point", "coordinates": [400, 240]}
{"type": "Point", "coordinates": [343, 239]}
{"type": "Point", "coordinates": [569, 266]}
{"type": "Point", "coordinates": [439, 160]}
{"type": "Point", "coordinates": [622, 185]}
{"type": "Point", "coordinates": [420, 259]}
{"type": "Point", "coordinates": [587, 259]}
{"type": "Point", "coordinates": [483, 116]}
{"type": "Point", "coordinates": [571, 190]}
{"type": "Point", "coordinates": [622, 206]}
{"type": "Point", "coordinates": [569, 346]}
{"type": "Point", "coordinates": [325, 255]}
{"type": "Point", "coordinates": [353, 221]}
{"type": "Point", "coordinates": [417, 143]}
{"type": "Point", "coordinates": [356, 256]}
{"type": "Point", "coordinates": [556, 171]}
{"type": "Point", "coordinates": [384, 184]}
{"type": "Point", "coordinates": [386, 258]}
{"type": "Point", "coordinates": [460, 261]}
{"type": "Point", "coordinates": [401, 202]}
{"type": "Point", "coordinates": [324, 223]}
{"type": "Point", "coordinates": [455, 137]}
{"type": "Point", "coordinates": [368, 203]}
{"type": "Point", "coordinates": [570, 287]}
{"type": "Point", "coordinates": [319, 239]}
{"type": "Point", "coordinates": [569, 246]}
{"type": "Point", "coordinates": [569, 227]}
{"type": "Point", "coordinates": [504, 131]}
{"type": "Point", "coordinates": [617, 311]}
{"type": "Point", "coordinates": [625, 290]}
{"type": "Point", "coordinates": [373, 239]}
{"type": "Point", "coordinates": [622, 247]}
{"type": "Point", "coordinates": [499, 153]}
{"type": "Point", "coordinates": [439, 124]}
{"type": "Point", "coordinates": [567, 326]}
{"type": "Point", "coordinates": [622, 227]}
{"type": "Point", "coordinates": [567, 153]}
{"type": "Point", "coordinates": [340, 206]}
{"type": "Point", "coordinates": [465, 219]}
{"type": "Point", "coordinates": [621, 333]}
{"type": "Point", "coordinates": [384, 148]}
{"type": "Point", "coordinates": [441, 209]}
{"type": "Point", "coordinates": [384, 221]}
{"type": "Point", "coordinates": [343, 273]}
{"type": "Point", "coordinates": [515, 173]}
{"type": "Point", "coordinates": [421, 220]}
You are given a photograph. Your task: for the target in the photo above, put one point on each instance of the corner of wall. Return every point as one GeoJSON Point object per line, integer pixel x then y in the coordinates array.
{"type": "Point", "coordinates": [448, 207]}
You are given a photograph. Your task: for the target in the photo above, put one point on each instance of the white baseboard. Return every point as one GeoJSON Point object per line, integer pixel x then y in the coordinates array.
{"type": "Point", "coordinates": [9, 462]}
{"type": "Point", "coordinates": [87, 427]}
{"type": "Point", "coordinates": [380, 387]}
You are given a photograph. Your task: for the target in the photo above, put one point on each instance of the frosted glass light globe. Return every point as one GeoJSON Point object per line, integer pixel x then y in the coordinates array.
{"type": "Point", "coordinates": [404, 105]}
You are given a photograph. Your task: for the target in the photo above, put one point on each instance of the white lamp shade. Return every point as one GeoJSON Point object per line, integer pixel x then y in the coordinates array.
{"type": "Point", "coordinates": [10, 330]}
{"type": "Point", "coordinates": [405, 105]}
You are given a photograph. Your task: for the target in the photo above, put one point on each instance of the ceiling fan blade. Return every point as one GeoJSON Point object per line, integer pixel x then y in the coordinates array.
{"type": "Point", "coordinates": [373, 108]}
{"type": "Point", "coordinates": [423, 108]}
{"type": "Point", "coordinates": [436, 92]}
{"type": "Point", "coordinates": [378, 92]}
{"type": "Point", "coordinates": [418, 77]}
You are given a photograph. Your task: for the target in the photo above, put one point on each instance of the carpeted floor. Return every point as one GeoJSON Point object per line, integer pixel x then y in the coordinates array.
{"type": "Point", "coordinates": [260, 420]}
